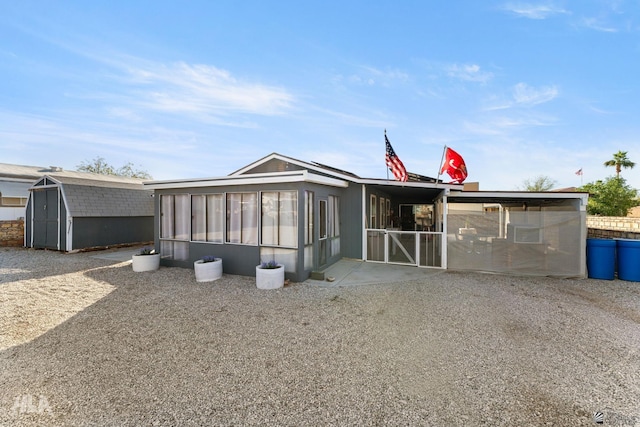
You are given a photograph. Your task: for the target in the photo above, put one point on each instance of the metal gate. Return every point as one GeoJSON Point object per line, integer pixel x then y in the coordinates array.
{"type": "Point", "coordinates": [419, 248]}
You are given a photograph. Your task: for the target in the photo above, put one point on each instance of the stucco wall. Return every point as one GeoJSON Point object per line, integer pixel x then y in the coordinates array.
{"type": "Point", "coordinates": [12, 233]}
{"type": "Point", "coordinates": [613, 227]}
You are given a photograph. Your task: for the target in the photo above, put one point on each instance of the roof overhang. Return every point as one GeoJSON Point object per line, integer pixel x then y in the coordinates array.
{"type": "Point", "coordinates": [515, 196]}
{"type": "Point", "coordinates": [250, 179]}
{"type": "Point", "coordinates": [412, 191]}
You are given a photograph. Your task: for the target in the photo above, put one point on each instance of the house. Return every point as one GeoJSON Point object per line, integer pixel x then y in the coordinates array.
{"type": "Point", "coordinates": [307, 216]}
{"type": "Point", "coordinates": [15, 181]}
{"type": "Point", "coordinates": [71, 211]}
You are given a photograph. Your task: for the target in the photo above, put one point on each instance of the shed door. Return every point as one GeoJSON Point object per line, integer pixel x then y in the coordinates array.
{"type": "Point", "coordinates": [45, 218]}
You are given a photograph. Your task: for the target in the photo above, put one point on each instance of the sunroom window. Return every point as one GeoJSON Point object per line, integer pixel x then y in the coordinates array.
{"type": "Point", "coordinates": [242, 218]}
{"type": "Point", "coordinates": [207, 218]}
{"type": "Point", "coordinates": [280, 218]}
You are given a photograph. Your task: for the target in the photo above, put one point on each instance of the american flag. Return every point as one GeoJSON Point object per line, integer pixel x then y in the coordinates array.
{"type": "Point", "coordinates": [394, 163]}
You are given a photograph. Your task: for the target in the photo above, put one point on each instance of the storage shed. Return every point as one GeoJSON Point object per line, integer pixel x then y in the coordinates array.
{"type": "Point", "coordinates": [73, 211]}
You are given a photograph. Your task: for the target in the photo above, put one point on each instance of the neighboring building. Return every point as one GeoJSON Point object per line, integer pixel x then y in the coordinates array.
{"type": "Point", "coordinates": [15, 181]}
{"type": "Point", "coordinates": [308, 216]}
{"type": "Point", "coordinates": [634, 212]}
{"type": "Point", "coordinates": [68, 210]}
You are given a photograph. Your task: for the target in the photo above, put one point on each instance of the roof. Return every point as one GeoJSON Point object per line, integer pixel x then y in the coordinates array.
{"type": "Point", "coordinates": [278, 168]}
{"type": "Point", "coordinates": [517, 197]}
{"type": "Point", "coordinates": [21, 172]}
{"type": "Point", "coordinates": [89, 201]}
{"type": "Point", "coordinates": [96, 198]}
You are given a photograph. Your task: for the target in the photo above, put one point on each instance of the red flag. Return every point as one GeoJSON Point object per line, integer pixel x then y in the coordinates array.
{"type": "Point", "coordinates": [394, 163]}
{"type": "Point", "coordinates": [454, 165]}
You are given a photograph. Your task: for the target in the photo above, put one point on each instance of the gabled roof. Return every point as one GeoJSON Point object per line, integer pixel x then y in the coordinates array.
{"type": "Point", "coordinates": [279, 163]}
{"type": "Point", "coordinates": [95, 198]}
{"type": "Point", "coordinates": [278, 168]}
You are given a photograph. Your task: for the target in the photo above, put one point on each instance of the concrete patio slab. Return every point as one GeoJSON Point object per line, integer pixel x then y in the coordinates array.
{"type": "Point", "coordinates": [117, 255]}
{"type": "Point", "coordinates": [346, 272]}
{"type": "Point", "coordinates": [352, 272]}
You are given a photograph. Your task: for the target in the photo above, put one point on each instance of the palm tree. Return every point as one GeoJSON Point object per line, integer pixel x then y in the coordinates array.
{"type": "Point", "coordinates": [620, 161]}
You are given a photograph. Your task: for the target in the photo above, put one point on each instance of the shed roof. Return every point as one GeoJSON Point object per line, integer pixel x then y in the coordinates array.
{"type": "Point", "coordinates": [96, 198]}
{"type": "Point", "coordinates": [91, 201]}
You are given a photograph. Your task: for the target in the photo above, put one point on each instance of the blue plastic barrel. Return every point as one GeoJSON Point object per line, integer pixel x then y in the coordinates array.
{"type": "Point", "coordinates": [628, 259]}
{"type": "Point", "coordinates": [601, 258]}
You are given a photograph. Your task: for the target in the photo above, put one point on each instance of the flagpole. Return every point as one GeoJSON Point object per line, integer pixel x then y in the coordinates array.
{"type": "Point", "coordinates": [444, 150]}
{"type": "Point", "coordinates": [385, 142]}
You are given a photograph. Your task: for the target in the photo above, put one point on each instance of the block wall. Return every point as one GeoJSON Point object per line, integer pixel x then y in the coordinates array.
{"type": "Point", "coordinates": [613, 227]}
{"type": "Point", "coordinates": [12, 233]}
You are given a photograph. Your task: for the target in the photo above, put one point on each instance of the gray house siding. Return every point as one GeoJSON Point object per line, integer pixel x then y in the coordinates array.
{"type": "Point", "coordinates": [351, 216]}
{"type": "Point", "coordinates": [237, 258]}
{"type": "Point", "coordinates": [274, 165]}
{"type": "Point", "coordinates": [242, 259]}
{"type": "Point", "coordinates": [107, 231]}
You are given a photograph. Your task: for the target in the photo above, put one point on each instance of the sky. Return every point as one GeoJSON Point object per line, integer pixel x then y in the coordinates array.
{"type": "Point", "coordinates": [194, 89]}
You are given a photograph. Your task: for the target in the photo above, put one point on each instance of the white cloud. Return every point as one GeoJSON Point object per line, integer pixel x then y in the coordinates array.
{"type": "Point", "coordinates": [505, 124]}
{"type": "Point", "coordinates": [524, 94]}
{"type": "Point", "coordinates": [468, 72]}
{"type": "Point", "coordinates": [205, 89]}
{"type": "Point", "coordinates": [371, 76]}
{"type": "Point", "coordinates": [598, 25]}
{"type": "Point", "coordinates": [534, 11]}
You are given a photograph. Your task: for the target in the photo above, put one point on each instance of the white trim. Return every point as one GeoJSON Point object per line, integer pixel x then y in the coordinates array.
{"type": "Point", "coordinates": [520, 195]}
{"type": "Point", "coordinates": [24, 180]}
{"type": "Point", "coordinates": [253, 179]}
{"type": "Point", "coordinates": [62, 197]}
{"type": "Point", "coordinates": [364, 222]}
{"type": "Point", "coordinates": [69, 233]}
{"type": "Point", "coordinates": [409, 184]}
{"type": "Point", "coordinates": [445, 232]}
{"type": "Point", "coordinates": [296, 162]}
{"type": "Point", "coordinates": [310, 173]}
{"type": "Point", "coordinates": [25, 234]}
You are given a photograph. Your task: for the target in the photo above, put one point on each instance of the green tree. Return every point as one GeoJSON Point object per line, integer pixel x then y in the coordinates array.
{"type": "Point", "coordinates": [539, 183]}
{"type": "Point", "coordinates": [611, 197]}
{"type": "Point", "coordinates": [99, 165]}
{"type": "Point", "coordinates": [620, 161]}
{"type": "Point", "coordinates": [128, 170]}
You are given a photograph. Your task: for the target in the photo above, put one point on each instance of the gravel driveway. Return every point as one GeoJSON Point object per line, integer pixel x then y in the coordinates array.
{"type": "Point", "coordinates": [86, 341]}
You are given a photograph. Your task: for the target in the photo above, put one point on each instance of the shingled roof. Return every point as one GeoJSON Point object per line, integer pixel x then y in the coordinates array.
{"type": "Point", "coordinates": [102, 198]}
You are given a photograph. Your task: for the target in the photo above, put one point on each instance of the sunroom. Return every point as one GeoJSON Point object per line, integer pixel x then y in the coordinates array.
{"type": "Point", "coordinates": [291, 217]}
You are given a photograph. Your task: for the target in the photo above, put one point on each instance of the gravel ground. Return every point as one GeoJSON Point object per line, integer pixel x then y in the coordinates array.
{"type": "Point", "coordinates": [89, 342]}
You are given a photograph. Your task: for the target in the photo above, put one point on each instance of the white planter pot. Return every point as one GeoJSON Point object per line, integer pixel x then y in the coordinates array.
{"type": "Point", "coordinates": [145, 262]}
{"type": "Point", "coordinates": [208, 271]}
{"type": "Point", "coordinates": [270, 278]}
